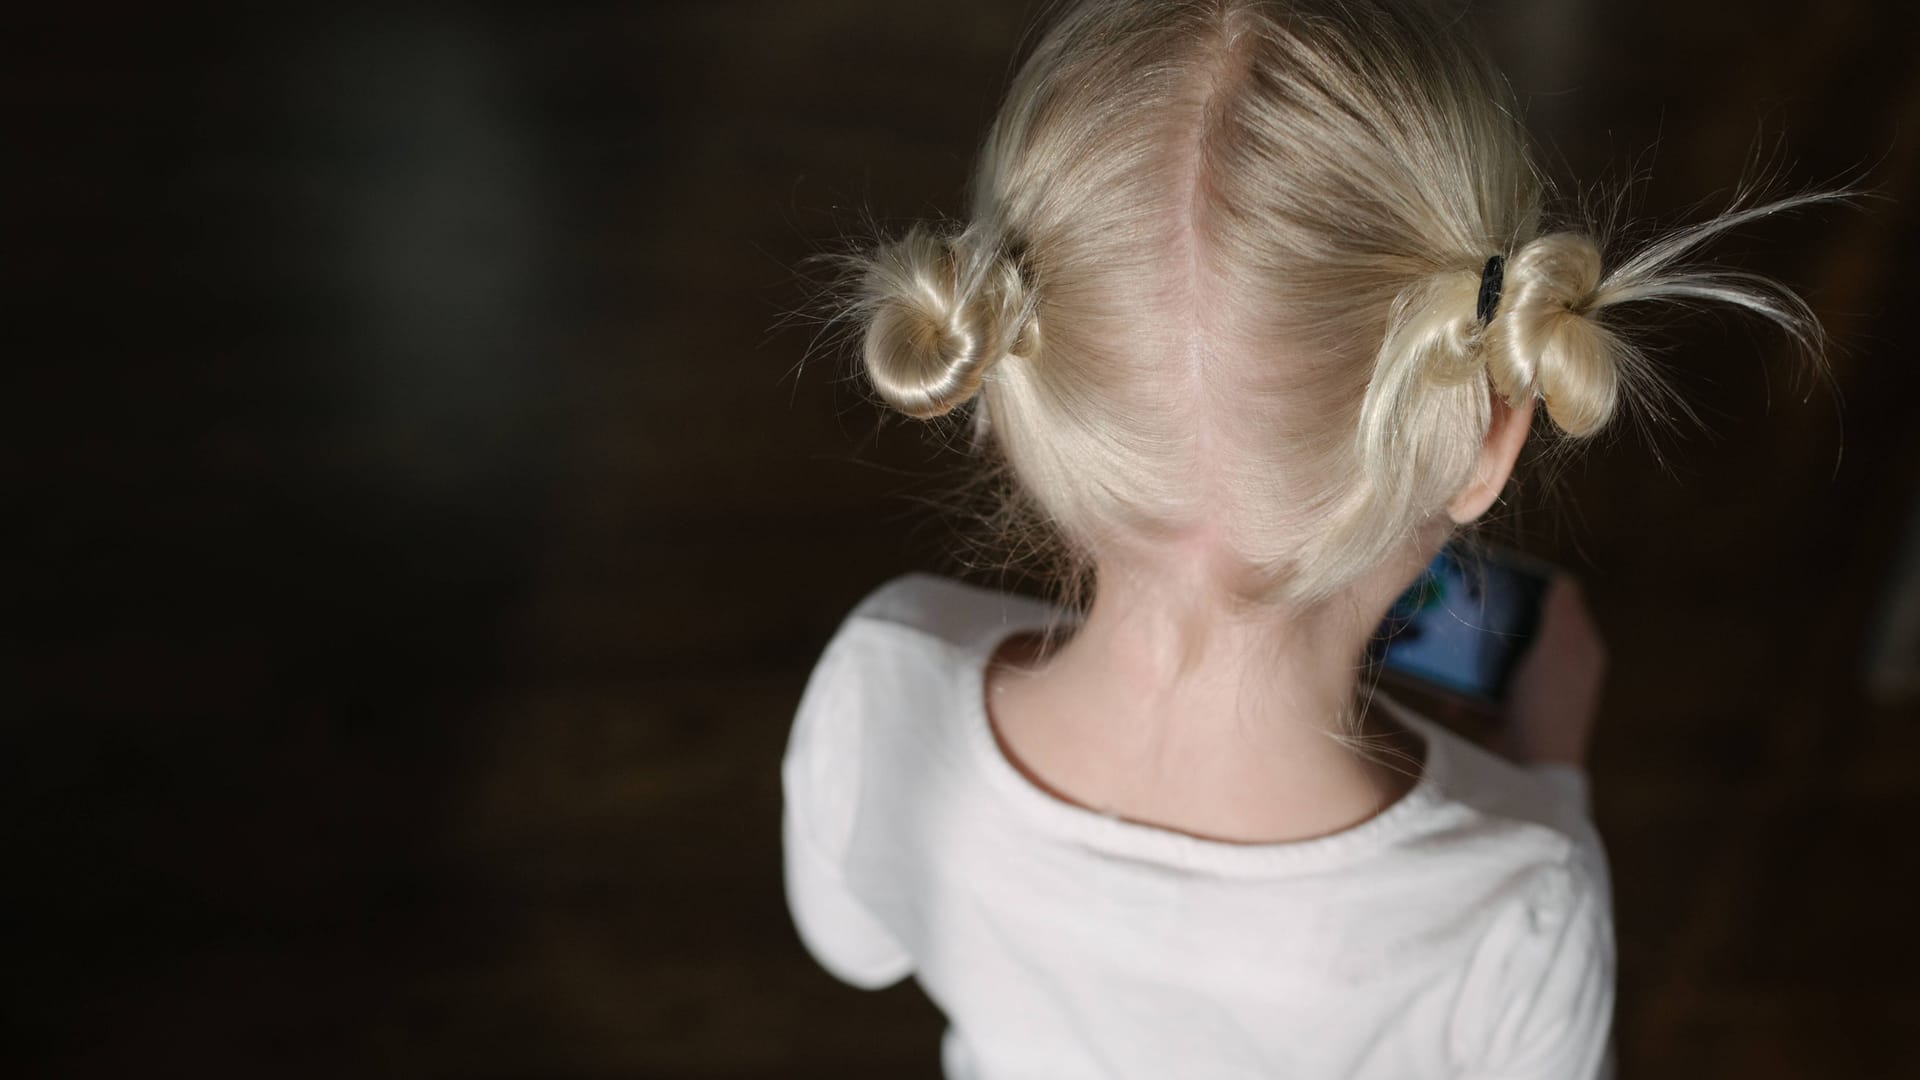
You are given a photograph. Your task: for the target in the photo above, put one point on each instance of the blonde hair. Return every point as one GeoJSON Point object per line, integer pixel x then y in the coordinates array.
{"type": "Point", "coordinates": [1222, 271]}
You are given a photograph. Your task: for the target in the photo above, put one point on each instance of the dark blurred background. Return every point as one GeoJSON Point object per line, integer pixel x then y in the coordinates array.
{"type": "Point", "coordinates": [423, 528]}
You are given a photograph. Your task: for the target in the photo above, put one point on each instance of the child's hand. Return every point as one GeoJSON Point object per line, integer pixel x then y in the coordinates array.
{"type": "Point", "coordinates": [1555, 693]}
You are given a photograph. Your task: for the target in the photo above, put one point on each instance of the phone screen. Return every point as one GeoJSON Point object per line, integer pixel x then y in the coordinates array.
{"type": "Point", "coordinates": [1463, 626]}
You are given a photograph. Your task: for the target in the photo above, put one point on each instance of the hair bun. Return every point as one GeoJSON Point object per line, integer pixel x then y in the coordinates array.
{"type": "Point", "coordinates": [1544, 338]}
{"type": "Point", "coordinates": [943, 312]}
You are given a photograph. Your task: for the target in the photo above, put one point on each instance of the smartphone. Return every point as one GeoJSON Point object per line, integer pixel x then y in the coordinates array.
{"type": "Point", "coordinates": [1461, 629]}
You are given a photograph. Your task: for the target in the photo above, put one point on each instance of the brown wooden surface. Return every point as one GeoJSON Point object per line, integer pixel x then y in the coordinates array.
{"type": "Point", "coordinates": [425, 529]}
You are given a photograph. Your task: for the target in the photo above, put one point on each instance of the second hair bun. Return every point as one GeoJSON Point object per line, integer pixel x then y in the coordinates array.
{"type": "Point", "coordinates": [1544, 336]}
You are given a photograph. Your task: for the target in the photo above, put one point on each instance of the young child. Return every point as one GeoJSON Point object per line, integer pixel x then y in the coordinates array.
{"type": "Point", "coordinates": [1256, 305]}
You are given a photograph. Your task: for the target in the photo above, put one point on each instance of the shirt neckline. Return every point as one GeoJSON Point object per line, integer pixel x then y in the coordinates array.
{"type": "Point", "coordinates": [1139, 841]}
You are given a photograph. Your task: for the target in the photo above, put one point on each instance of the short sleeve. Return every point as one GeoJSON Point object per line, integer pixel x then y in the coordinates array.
{"type": "Point", "coordinates": [820, 778]}
{"type": "Point", "coordinates": [1569, 784]}
{"type": "Point", "coordinates": [1538, 1000]}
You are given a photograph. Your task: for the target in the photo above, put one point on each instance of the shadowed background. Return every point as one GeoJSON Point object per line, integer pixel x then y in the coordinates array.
{"type": "Point", "coordinates": [423, 528]}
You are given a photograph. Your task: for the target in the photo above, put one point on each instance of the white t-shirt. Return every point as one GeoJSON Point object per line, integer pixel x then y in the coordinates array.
{"type": "Point", "coordinates": [1465, 931]}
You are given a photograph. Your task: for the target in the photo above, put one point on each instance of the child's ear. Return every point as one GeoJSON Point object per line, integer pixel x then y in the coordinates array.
{"type": "Point", "coordinates": [1506, 433]}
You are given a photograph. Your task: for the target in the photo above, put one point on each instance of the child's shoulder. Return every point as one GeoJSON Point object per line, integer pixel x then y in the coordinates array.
{"type": "Point", "coordinates": [912, 648]}
{"type": "Point", "coordinates": [1521, 826]}
{"type": "Point", "coordinates": [934, 609]}
{"type": "Point", "coordinates": [897, 675]}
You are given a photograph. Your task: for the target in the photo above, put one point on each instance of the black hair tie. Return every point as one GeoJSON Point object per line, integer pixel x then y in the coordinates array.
{"type": "Point", "coordinates": [1492, 279]}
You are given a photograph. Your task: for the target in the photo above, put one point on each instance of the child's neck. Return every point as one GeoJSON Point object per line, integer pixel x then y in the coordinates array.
{"type": "Point", "coordinates": [1176, 710]}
